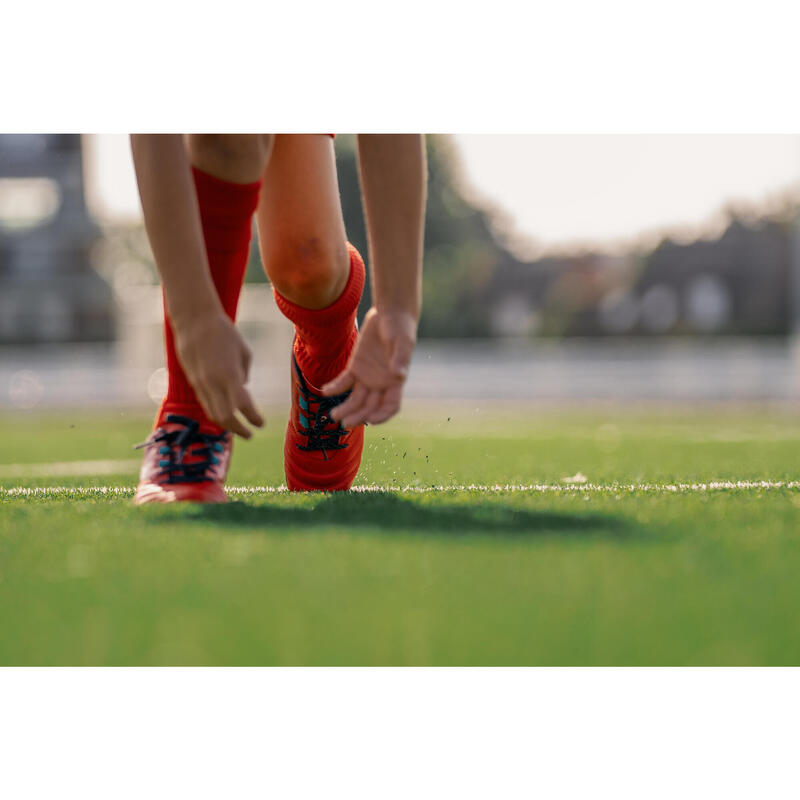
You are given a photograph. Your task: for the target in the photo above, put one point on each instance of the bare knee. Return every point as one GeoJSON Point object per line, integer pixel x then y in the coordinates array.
{"type": "Point", "coordinates": [240, 158]}
{"type": "Point", "coordinates": [309, 270]}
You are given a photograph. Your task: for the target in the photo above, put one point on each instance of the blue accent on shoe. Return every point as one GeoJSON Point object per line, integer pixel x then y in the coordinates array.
{"type": "Point", "coordinates": [163, 463]}
{"type": "Point", "coordinates": [321, 435]}
{"type": "Point", "coordinates": [218, 448]}
{"type": "Point", "coordinates": [163, 451]}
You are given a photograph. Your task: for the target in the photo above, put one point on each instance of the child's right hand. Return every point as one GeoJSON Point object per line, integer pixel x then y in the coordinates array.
{"type": "Point", "coordinates": [377, 369]}
{"type": "Point", "coordinates": [216, 361]}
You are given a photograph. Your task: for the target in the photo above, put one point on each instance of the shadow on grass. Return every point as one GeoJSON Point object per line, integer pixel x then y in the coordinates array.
{"type": "Point", "coordinates": [387, 511]}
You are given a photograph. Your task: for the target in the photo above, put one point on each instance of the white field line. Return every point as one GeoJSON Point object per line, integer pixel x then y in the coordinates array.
{"type": "Point", "coordinates": [56, 492]}
{"type": "Point", "coordinates": [69, 468]}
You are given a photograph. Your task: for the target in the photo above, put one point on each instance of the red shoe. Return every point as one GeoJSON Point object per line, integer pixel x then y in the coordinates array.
{"type": "Point", "coordinates": [183, 463]}
{"type": "Point", "coordinates": [318, 453]}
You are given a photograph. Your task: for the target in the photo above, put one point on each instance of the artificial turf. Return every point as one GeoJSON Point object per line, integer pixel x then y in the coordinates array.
{"type": "Point", "coordinates": [629, 573]}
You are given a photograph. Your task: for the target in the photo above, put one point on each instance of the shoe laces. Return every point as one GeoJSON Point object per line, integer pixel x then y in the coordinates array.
{"type": "Point", "coordinates": [316, 425]}
{"type": "Point", "coordinates": [175, 445]}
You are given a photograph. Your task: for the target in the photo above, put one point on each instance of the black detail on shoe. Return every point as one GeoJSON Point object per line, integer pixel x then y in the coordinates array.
{"type": "Point", "coordinates": [174, 446]}
{"type": "Point", "coordinates": [316, 426]}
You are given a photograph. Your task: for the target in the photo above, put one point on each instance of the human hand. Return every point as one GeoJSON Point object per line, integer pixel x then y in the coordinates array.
{"type": "Point", "coordinates": [216, 361]}
{"type": "Point", "coordinates": [377, 369]}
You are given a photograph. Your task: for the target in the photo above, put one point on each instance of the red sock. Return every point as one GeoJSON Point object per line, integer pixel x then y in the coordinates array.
{"type": "Point", "coordinates": [226, 212]}
{"type": "Point", "coordinates": [326, 336]}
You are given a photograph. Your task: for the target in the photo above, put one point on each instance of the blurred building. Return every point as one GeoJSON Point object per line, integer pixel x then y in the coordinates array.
{"type": "Point", "coordinates": [49, 290]}
{"type": "Point", "coordinates": [737, 284]}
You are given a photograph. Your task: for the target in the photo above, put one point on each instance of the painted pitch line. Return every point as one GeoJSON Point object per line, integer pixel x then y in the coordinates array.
{"type": "Point", "coordinates": [55, 492]}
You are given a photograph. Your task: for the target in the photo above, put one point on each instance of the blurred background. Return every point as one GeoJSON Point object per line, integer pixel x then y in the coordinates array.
{"type": "Point", "coordinates": [558, 269]}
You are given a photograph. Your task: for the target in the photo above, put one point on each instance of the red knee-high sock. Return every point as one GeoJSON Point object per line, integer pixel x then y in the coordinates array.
{"type": "Point", "coordinates": [226, 212]}
{"type": "Point", "coordinates": [326, 336]}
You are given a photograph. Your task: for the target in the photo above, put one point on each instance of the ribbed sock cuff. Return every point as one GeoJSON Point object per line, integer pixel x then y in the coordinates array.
{"type": "Point", "coordinates": [325, 337]}
{"type": "Point", "coordinates": [339, 311]}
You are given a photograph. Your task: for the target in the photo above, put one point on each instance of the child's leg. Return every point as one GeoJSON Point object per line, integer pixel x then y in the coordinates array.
{"type": "Point", "coordinates": [227, 172]}
{"type": "Point", "coordinates": [184, 460]}
{"type": "Point", "coordinates": [317, 278]}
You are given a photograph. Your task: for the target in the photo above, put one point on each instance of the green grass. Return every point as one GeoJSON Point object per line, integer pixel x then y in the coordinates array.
{"type": "Point", "coordinates": [623, 576]}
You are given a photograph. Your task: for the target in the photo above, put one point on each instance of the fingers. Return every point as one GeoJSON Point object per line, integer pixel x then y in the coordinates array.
{"type": "Point", "coordinates": [341, 383]}
{"type": "Point", "coordinates": [217, 362]}
{"type": "Point", "coordinates": [352, 404]}
{"type": "Point", "coordinates": [358, 416]}
{"type": "Point", "coordinates": [207, 403]}
{"type": "Point", "coordinates": [239, 400]}
{"type": "Point", "coordinates": [247, 360]}
{"type": "Point", "coordinates": [246, 405]}
{"type": "Point", "coordinates": [225, 415]}
{"type": "Point", "coordinates": [232, 423]}
{"type": "Point", "coordinates": [365, 405]}
{"type": "Point", "coordinates": [389, 406]}
{"type": "Point", "coordinates": [222, 405]}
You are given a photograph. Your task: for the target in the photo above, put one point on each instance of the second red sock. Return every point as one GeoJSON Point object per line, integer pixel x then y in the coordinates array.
{"type": "Point", "coordinates": [226, 212]}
